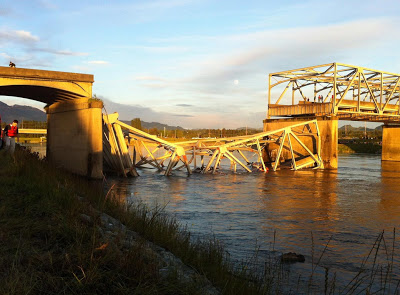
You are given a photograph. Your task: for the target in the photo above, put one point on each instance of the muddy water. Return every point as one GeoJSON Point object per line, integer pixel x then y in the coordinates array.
{"type": "Point", "coordinates": [285, 211]}
{"type": "Point", "coordinates": [303, 208]}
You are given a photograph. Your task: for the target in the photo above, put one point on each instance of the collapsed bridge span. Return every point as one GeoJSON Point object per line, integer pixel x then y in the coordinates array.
{"type": "Point", "coordinates": [296, 146]}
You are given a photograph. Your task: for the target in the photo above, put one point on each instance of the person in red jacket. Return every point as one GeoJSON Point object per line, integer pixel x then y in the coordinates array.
{"type": "Point", "coordinates": [9, 134]}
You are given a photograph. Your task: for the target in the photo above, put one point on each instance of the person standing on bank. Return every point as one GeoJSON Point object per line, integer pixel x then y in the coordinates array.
{"type": "Point", "coordinates": [9, 134]}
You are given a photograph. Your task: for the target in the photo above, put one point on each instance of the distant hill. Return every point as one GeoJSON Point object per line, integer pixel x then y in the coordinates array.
{"type": "Point", "coordinates": [249, 128]}
{"type": "Point", "coordinates": [351, 128]}
{"type": "Point", "coordinates": [20, 113]}
{"type": "Point", "coordinates": [159, 126]}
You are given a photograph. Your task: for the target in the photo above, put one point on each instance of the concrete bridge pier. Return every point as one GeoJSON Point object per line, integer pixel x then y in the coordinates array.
{"type": "Point", "coordinates": [328, 127]}
{"type": "Point", "coordinates": [391, 143]}
{"type": "Point", "coordinates": [74, 136]}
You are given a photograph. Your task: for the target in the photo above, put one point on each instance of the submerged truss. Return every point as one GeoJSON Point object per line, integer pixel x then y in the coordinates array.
{"type": "Point", "coordinates": [205, 155]}
{"type": "Point", "coordinates": [349, 92]}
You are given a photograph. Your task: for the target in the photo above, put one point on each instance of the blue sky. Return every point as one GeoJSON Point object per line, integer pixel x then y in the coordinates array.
{"type": "Point", "coordinates": [194, 63]}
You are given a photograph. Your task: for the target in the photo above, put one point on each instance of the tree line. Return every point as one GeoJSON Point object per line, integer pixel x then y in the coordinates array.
{"type": "Point", "coordinates": [193, 133]}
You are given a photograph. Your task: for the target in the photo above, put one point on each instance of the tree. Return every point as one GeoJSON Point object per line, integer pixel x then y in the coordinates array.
{"type": "Point", "coordinates": [136, 123]}
{"type": "Point", "coordinates": [153, 131]}
{"type": "Point", "coordinates": [179, 133]}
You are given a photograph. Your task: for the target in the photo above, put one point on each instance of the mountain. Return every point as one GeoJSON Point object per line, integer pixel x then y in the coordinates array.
{"type": "Point", "coordinates": [20, 113]}
{"type": "Point", "coordinates": [250, 128]}
{"type": "Point", "coordinates": [159, 126]}
{"type": "Point", "coordinates": [351, 128]}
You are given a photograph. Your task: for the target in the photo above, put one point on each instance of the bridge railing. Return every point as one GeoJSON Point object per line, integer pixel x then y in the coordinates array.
{"type": "Point", "coordinates": [32, 131]}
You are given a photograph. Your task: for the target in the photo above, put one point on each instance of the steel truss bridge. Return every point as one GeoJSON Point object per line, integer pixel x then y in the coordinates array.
{"type": "Point", "coordinates": [348, 93]}
{"type": "Point", "coordinates": [205, 155]}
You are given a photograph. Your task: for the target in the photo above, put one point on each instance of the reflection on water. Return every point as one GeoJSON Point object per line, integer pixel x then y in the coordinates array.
{"type": "Point", "coordinates": [352, 205]}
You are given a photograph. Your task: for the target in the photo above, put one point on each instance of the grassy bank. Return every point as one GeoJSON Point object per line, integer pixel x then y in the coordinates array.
{"type": "Point", "coordinates": [46, 246]}
{"type": "Point", "coordinates": [364, 148]}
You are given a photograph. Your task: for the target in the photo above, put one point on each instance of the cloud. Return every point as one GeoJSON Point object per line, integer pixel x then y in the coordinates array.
{"type": "Point", "coordinates": [5, 11]}
{"type": "Point", "coordinates": [60, 52]}
{"type": "Point", "coordinates": [163, 4]}
{"type": "Point", "coordinates": [17, 36]}
{"type": "Point", "coordinates": [248, 58]}
{"type": "Point", "coordinates": [47, 4]}
{"type": "Point", "coordinates": [220, 116]}
{"type": "Point", "coordinates": [98, 62]}
{"type": "Point", "coordinates": [130, 12]}
{"type": "Point", "coordinates": [149, 78]}
{"type": "Point", "coordinates": [184, 105]}
{"type": "Point", "coordinates": [185, 116]}
{"type": "Point", "coordinates": [5, 55]}
{"type": "Point", "coordinates": [162, 49]}
{"type": "Point", "coordinates": [254, 55]}
{"type": "Point", "coordinates": [155, 85]}
{"type": "Point", "coordinates": [26, 60]}
{"type": "Point", "coordinates": [83, 69]}
{"type": "Point", "coordinates": [22, 47]}
{"type": "Point", "coordinates": [127, 112]}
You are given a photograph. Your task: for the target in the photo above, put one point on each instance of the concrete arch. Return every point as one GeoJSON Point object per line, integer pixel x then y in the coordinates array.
{"type": "Point", "coordinates": [44, 86]}
{"type": "Point", "coordinates": [74, 120]}
{"type": "Point", "coordinates": [47, 95]}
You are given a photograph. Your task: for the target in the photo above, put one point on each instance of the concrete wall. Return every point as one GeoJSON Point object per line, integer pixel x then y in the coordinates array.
{"type": "Point", "coordinates": [391, 143]}
{"type": "Point", "coordinates": [74, 136]}
{"type": "Point", "coordinates": [328, 128]}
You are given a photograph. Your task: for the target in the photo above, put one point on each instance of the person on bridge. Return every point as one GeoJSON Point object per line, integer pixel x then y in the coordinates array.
{"type": "Point", "coordinates": [10, 132]}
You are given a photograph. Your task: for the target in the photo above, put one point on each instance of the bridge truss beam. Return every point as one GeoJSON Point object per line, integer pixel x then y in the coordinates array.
{"type": "Point", "coordinates": [154, 152]}
{"type": "Point", "coordinates": [347, 91]}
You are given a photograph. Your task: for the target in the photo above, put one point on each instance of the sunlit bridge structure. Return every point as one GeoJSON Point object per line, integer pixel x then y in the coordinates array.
{"type": "Point", "coordinates": [73, 116]}
{"type": "Point", "coordinates": [333, 92]}
{"type": "Point", "coordinates": [300, 129]}
{"type": "Point", "coordinates": [271, 148]}
{"type": "Point", "coordinates": [45, 86]}
{"type": "Point", "coordinates": [348, 92]}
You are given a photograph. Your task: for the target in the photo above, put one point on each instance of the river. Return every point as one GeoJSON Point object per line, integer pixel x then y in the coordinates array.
{"type": "Point", "coordinates": [283, 211]}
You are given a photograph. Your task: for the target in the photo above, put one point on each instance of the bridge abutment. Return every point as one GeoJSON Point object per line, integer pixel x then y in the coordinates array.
{"type": "Point", "coordinates": [328, 127]}
{"type": "Point", "coordinates": [391, 143]}
{"type": "Point", "coordinates": [74, 136]}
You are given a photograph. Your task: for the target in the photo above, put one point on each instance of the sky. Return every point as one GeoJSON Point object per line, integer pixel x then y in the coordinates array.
{"type": "Point", "coordinates": [194, 63]}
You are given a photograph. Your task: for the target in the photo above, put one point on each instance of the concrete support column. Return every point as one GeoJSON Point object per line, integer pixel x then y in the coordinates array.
{"type": "Point", "coordinates": [328, 127]}
{"type": "Point", "coordinates": [74, 136]}
{"type": "Point", "coordinates": [391, 143]}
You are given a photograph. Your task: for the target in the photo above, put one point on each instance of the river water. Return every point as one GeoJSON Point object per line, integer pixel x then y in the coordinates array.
{"type": "Point", "coordinates": [287, 211]}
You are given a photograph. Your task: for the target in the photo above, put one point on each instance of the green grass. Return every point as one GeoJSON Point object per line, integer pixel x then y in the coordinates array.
{"type": "Point", "coordinates": [46, 248]}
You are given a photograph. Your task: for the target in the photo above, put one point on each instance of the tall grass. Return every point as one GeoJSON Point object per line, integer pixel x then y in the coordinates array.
{"type": "Point", "coordinates": [47, 248]}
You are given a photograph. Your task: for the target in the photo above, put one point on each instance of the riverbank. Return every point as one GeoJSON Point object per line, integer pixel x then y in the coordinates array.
{"type": "Point", "coordinates": [60, 234]}
{"type": "Point", "coordinates": [360, 148]}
